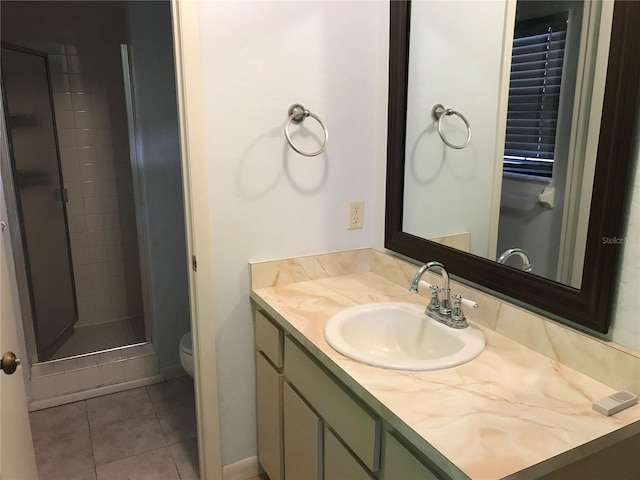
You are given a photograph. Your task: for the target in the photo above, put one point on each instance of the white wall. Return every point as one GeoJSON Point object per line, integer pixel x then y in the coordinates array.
{"type": "Point", "coordinates": [269, 202]}
{"type": "Point", "coordinates": [625, 328]}
{"type": "Point", "coordinates": [160, 178]}
{"type": "Point", "coordinates": [455, 60]}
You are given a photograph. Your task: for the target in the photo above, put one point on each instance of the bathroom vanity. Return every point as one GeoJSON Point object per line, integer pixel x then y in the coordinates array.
{"type": "Point", "coordinates": [328, 432]}
{"type": "Point", "coordinates": [509, 413]}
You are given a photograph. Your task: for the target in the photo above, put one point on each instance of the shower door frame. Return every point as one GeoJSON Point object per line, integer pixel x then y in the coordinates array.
{"type": "Point", "coordinates": [27, 308]}
{"type": "Point", "coordinates": [140, 207]}
{"type": "Point", "coordinates": [26, 314]}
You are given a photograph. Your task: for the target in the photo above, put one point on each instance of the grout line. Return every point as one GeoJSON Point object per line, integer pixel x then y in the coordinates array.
{"type": "Point", "coordinates": [168, 447]}
{"type": "Point", "coordinates": [93, 455]}
{"type": "Point", "coordinates": [131, 456]}
{"type": "Point", "coordinates": [164, 435]}
{"type": "Point", "coordinates": [141, 453]}
{"type": "Point", "coordinates": [175, 464]}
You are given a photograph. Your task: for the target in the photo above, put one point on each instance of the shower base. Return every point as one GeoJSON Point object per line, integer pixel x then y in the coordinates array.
{"type": "Point", "coordinates": [70, 379]}
{"type": "Point", "coordinates": [99, 337]}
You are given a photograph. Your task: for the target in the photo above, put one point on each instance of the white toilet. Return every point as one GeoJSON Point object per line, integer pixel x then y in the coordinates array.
{"type": "Point", "coordinates": [186, 353]}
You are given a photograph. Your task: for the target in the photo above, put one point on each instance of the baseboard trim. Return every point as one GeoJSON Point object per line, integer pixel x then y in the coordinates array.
{"type": "Point", "coordinates": [41, 404]}
{"type": "Point", "coordinates": [241, 470]}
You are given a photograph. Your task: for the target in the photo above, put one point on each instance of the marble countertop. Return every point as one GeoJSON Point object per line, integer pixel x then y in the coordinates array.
{"type": "Point", "coordinates": [511, 412]}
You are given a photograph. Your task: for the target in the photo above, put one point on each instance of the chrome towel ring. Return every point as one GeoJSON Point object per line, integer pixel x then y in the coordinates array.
{"type": "Point", "coordinates": [297, 114]}
{"type": "Point", "coordinates": [439, 112]}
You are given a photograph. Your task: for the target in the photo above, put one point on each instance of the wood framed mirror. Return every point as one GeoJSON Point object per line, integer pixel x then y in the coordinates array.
{"type": "Point", "coordinates": [588, 306]}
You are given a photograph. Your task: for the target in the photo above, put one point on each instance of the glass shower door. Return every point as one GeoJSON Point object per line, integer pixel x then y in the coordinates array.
{"type": "Point", "coordinates": [40, 196]}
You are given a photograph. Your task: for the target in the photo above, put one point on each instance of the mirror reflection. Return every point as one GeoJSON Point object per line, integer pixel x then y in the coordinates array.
{"type": "Point", "coordinates": [529, 79]}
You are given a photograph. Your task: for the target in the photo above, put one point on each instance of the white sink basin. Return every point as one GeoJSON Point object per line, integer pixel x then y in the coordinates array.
{"type": "Point", "coordinates": [401, 336]}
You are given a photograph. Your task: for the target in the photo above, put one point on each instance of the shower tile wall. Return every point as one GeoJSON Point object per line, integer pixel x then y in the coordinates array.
{"type": "Point", "coordinates": [88, 94]}
{"type": "Point", "coordinates": [96, 172]}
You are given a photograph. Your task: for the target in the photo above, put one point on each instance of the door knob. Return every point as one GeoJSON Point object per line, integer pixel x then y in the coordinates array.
{"type": "Point", "coordinates": [9, 362]}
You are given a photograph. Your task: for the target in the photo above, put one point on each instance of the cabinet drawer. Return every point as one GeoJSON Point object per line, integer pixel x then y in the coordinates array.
{"type": "Point", "coordinates": [359, 429]}
{"type": "Point", "coordinates": [270, 438]}
{"type": "Point", "coordinates": [269, 339]}
{"type": "Point", "coordinates": [339, 464]}
{"type": "Point", "coordinates": [302, 439]}
{"type": "Point", "coordinates": [401, 463]}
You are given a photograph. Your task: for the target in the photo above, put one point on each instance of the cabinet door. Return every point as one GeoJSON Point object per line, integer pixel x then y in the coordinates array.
{"type": "Point", "coordinates": [339, 464]}
{"type": "Point", "coordinates": [357, 427]}
{"type": "Point", "coordinates": [302, 439]}
{"type": "Point", "coordinates": [269, 395]}
{"type": "Point", "coordinates": [400, 463]}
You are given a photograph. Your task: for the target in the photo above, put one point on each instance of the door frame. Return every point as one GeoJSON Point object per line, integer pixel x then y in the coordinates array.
{"type": "Point", "coordinates": [197, 201]}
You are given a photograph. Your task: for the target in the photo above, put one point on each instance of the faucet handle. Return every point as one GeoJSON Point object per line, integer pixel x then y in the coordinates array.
{"type": "Point", "coordinates": [445, 305]}
{"type": "Point", "coordinates": [458, 319]}
{"type": "Point", "coordinates": [434, 303]}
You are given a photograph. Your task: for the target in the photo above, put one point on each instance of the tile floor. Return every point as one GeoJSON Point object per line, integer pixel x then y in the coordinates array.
{"type": "Point", "coordinates": [147, 433]}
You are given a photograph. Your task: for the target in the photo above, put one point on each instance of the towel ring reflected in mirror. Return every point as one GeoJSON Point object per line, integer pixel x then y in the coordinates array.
{"type": "Point", "coordinates": [438, 113]}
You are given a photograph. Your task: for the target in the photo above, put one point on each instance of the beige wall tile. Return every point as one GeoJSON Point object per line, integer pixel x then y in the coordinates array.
{"type": "Point", "coordinates": [68, 382]}
{"type": "Point", "coordinates": [43, 387]}
{"type": "Point", "coordinates": [90, 377]}
{"type": "Point", "coordinates": [134, 368]}
{"type": "Point", "coordinates": [113, 372]}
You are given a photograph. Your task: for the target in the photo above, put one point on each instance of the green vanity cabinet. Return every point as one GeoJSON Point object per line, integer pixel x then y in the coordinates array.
{"type": "Point", "coordinates": [339, 464]}
{"type": "Point", "coordinates": [302, 438]}
{"type": "Point", "coordinates": [311, 426]}
{"type": "Point", "coordinates": [357, 427]}
{"type": "Point", "coordinates": [401, 463]}
{"type": "Point", "coordinates": [269, 382]}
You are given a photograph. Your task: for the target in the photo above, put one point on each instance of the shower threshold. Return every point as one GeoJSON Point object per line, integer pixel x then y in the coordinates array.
{"type": "Point", "coordinates": [87, 375]}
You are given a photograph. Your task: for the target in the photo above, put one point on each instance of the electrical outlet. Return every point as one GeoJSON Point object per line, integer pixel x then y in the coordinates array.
{"type": "Point", "coordinates": [356, 213]}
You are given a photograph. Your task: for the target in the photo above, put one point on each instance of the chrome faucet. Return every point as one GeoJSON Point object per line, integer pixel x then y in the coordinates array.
{"type": "Point", "coordinates": [441, 310]}
{"type": "Point", "coordinates": [526, 263]}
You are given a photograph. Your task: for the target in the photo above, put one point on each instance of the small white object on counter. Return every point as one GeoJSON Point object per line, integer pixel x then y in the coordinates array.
{"type": "Point", "coordinates": [615, 402]}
